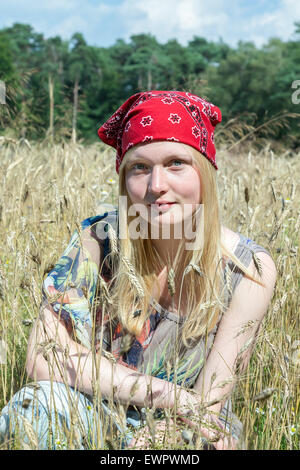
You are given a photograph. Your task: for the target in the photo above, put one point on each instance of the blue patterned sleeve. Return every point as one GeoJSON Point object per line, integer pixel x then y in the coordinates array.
{"type": "Point", "coordinates": [69, 288]}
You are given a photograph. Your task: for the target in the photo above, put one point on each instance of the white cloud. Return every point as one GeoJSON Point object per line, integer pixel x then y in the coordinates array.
{"type": "Point", "coordinates": [80, 19]}
{"type": "Point", "coordinates": [283, 19]}
{"type": "Point", "coordinates": [68, 26]}
{"type": "Point", "coordinates": [182, 19]}
{"type": "Point", "coordinates": [278, 22]}
{"type": "Point", "coordinates": [174, 18]}
{"type": "Point", "coordinates": [56, 17]}
{"type": "Point", "coordinates": [102, 22]}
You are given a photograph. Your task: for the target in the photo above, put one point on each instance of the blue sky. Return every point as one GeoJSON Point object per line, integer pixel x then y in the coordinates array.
{"type": "Point", "coordinates": [102, 22]}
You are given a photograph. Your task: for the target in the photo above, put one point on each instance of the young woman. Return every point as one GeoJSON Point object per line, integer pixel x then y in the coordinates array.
{"type": "Point", "coordinates": [153, 304]}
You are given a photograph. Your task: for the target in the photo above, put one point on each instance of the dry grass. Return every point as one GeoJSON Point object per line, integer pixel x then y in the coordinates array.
{"type": "Point", "coordinates": [45, 193]}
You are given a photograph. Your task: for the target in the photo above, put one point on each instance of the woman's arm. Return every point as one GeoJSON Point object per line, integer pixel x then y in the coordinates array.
{"type": "Point", "coordinates": [53, 355]}
{"type": "Point", "coordinates": [233, 345]}
{"type": "Point", "coordinates": [68, 294]}
{"type": "Point", "coordinates": [236, 334]}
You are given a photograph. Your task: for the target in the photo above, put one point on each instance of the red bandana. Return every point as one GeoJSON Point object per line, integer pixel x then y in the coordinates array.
{"type": "Point", "coordinates": [162, 115]}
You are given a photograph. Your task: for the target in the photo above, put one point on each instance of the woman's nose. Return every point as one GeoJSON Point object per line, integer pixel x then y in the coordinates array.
{"type": "Point", "coordinates": [158, 180]}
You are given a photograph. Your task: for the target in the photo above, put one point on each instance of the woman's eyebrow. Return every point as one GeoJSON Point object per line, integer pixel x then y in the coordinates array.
{"type": "Point", "coordinates": [171, 155]}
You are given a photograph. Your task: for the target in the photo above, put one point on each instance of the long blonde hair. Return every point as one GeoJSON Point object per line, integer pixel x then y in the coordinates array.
{"type": "Point", "coordinates": [136, 264]}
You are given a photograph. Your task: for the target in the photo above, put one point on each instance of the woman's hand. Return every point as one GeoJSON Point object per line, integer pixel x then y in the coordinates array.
{"type": "Point", "coordinates": [212, 429]}
{"type": "Point", "coordinates": [204, 423]}
{"type": "Point", "coordinates": [164, 436]}
{"type": "Point", "coordinates": [169, 436]}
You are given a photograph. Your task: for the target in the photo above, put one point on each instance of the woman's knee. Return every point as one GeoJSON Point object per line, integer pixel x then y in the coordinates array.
{"type": "Point", "coordinates": [42, 409]}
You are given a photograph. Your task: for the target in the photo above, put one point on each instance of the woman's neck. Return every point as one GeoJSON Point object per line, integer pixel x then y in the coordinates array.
{"type": "Point", "coordinates": [167, 249]}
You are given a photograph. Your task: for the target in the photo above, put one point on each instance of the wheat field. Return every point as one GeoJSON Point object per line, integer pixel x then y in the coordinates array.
{"type": "Point", "coordinates": [47, 189]}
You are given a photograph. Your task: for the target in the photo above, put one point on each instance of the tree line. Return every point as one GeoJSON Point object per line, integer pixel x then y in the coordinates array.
{"type": "Point", "coordinates": [66, 88]}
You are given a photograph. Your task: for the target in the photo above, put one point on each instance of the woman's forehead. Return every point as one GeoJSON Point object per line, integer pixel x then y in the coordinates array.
{"type": "Point", "coordinates": [155, 150]}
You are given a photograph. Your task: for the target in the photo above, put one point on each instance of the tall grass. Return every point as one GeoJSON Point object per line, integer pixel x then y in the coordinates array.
{"type": "Point", "coordinates": [46, 190]}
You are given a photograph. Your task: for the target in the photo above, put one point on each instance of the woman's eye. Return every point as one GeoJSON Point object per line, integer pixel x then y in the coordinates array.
{"type": "Point", "coordinates": [177, 161]}
{"type": "Point", "coordinates": [137, 165]}
{"type": "Point", "coordinates": [142, 166]}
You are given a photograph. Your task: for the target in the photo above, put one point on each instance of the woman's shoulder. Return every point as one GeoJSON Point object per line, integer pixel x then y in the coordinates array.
{"type": "Point", "coordinates": [98, 227]}
{"type": "Point", "coordinates": [229, 238]}
{"type": "Point", "coordinates": [105, 213]}
{"type": "Point", "coordinates": [238, 243]}
{"type": "Point", "coordinates": [99, 224]}
{"type": "Point", "coordinates": [246, 250]}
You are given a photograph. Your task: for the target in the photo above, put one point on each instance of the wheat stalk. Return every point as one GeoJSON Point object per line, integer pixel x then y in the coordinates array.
{"type": "Point", "coordinates": [171, 282]}
{"type": "Point", "coordinates": [109, 356]}
{"type": "Point", "coordinates": [246, 346]}
{"type": "Point", "coordinates": [195, 267]}
{"type": "Point", "coordinates": [264, 394]}
{"type": "Point", "coordinates": [208, 304]}
{"type": "Point", "coordinates": [104, 292]}
{"type": "Point", "coordinates": [113, 240]}
{"type": "Point", "coordinates": [227, 272]}
{"type": "Point", "coordinates": [257, 262]}
{"type": "Point", "coordinates": [126, 343]}
{"type": "Point", "coordinates": [32, 437]}
{"type": "Point", "coordinates": [60, 179]}
{"type": "Point", "coordinates": [132, 277]}
{"type": "Point", "coordinates": [245, 327]}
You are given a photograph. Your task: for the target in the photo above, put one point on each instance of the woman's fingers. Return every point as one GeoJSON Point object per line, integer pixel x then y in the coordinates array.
{"type": "Point", "coordinates": [212, 430]}
{"type": "Point", "coordinates": [226, 444]}
{"type": "Point", "coordinates": [163, 434]}
{"type": "Point", "coordinates": [141, 440]}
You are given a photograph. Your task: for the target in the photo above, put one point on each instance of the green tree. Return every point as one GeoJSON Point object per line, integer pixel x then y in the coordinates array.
{"type": "Point", "coordinates": [178, 67]}
{"type": "Point", "coordinates": [9, 76]}
{"type": "Point", "coordinates": [86, 71]}
{"type": "Point", "coordinates": [55, 53]}
{"type": "Point", "coordinates": [140, 64]}
{"type": "Point", "coordinates": [65, 88]}
{"type": "Point", "coordinates": [26, 46]}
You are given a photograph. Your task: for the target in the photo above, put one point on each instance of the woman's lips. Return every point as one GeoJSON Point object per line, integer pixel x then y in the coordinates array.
{"type": "Point", "coordinates": [162, 207]}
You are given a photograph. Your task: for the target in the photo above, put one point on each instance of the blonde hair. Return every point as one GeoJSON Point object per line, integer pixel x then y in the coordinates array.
{"type": "Point", "coordinates": [136, 264]}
